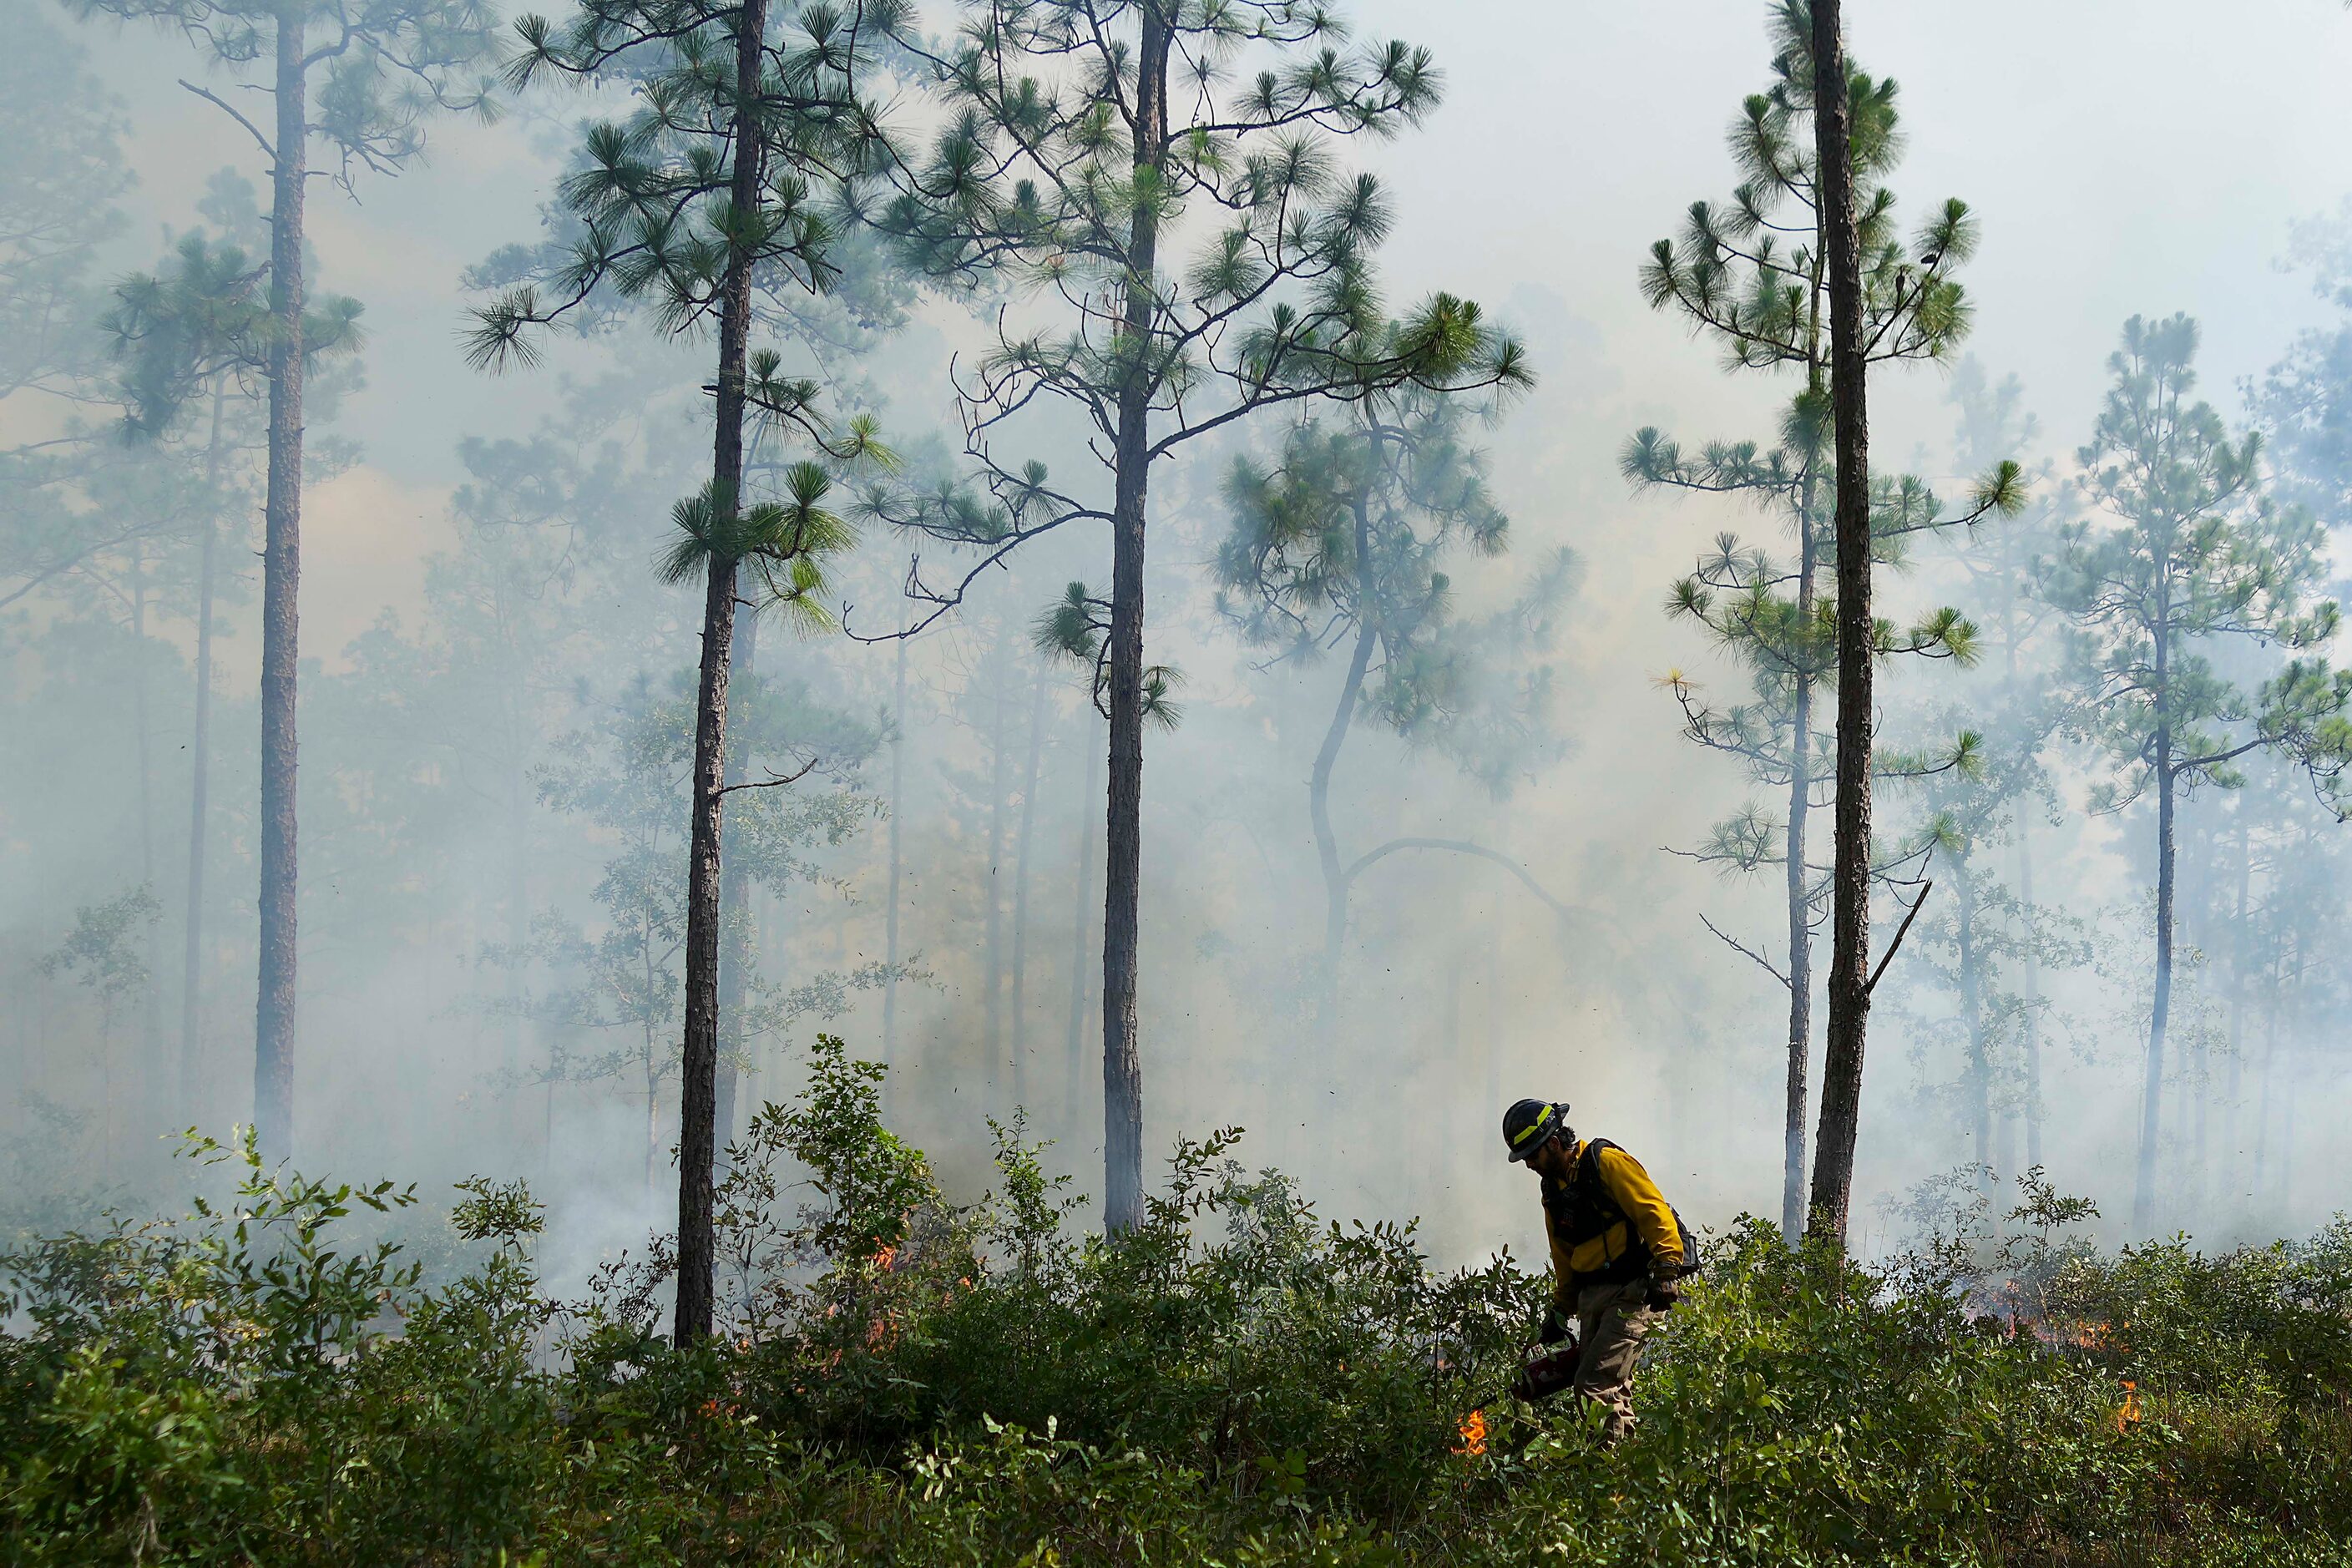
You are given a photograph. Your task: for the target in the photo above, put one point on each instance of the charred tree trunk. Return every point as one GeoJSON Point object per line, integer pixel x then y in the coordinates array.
{"type": "Point", "coordinates": [281, 573]}
{"type": "Point", "coordinates": [1022, 839]}
{"type": "Point", "coordinates": [192, 971]}
{"type": "Point", "coordinates": [738, 923]}
{"type": "Point", "coordinates": [1842, 1063]}
{"type": "Point", "coordinates": [699, 1065]}
{"type": "Point", "coordinates": [1123, 869]}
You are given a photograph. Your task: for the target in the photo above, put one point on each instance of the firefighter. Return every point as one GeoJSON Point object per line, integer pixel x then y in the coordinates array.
{"type": "Point", "coordinates": [1618, 1251]}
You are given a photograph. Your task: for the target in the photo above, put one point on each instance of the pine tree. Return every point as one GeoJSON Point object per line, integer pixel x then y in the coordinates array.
{"type": "Point", "coordinates": [1088, 142]}
{"type": "Point", "coordinates": [2196, 554]}
{"type": "Point", "coordinates": [59, 211]}
{"type": "Point", "coordinates": [1346, 542]}
{"type": "Point", "coordinates": [188, 340]}
{"type": "Point", "coordinates": [1757, 277]}
{"type": "Point", "coordinates": [1982, 931]}
{"type": "Point", "coordinates": [1994, 426]}
{"type": "Point", "coordinates": [360, 82]}
{"type": "Point", "coordinates": [707, 194]}
{"type": "Point", "coordinates": [2305, 402]}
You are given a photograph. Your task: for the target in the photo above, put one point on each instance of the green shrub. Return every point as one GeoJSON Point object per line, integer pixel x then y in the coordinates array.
{"type": "Point", "coordinates": [906, 1380]}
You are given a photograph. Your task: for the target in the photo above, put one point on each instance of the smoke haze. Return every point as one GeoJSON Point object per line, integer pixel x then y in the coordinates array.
{"type": "Point", "coordinates": [492, 675]}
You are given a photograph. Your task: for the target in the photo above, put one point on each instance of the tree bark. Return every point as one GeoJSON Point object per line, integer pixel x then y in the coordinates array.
{"type": "Point", "coordinates": [698, 1067]}
{"type": "Point", "coordinates": [736, 930]}
{"type": "Point", "coordinates": [1123, 832]}
{"type": "Point", "coordinates": [192, 985]}
{"type": "Point", "coordinates": [281, 573]}
{"type": "Point", "coordinates": [1832, 1193]}
{"type": "Point", "coordinates": [1022, 839]}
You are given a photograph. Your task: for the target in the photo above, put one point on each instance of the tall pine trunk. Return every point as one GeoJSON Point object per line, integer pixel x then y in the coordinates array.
{"type": "Point", "coordinates": [1799, 908]}
{"type": "Point", "coordinates": [192, 971]}
{"type": "Point", "coordinates": [1842, 1061]}
{"type": "Point", "coordinates": [2030, 1042]}
{"type": "Point", "coordinates": [1972, 1020]}
{"type": "Point", "coordinates": [2032, 1020]}
{"type": "Point", "coordinates": [1074, 1046]}
{"type": "Point", "coordinates": [1319, 781]}
{"type": "Point", "coordinates": [148, 1099]}
{"type": "Point", "coordinates": [2238, 982]}
{"type": "Point", "coordinates": [699, 1065]}
{"type": "Point", "coordinates": [1023, 837]}
{"type": "Point", "coordinates": [282, 573]}
{"type": "Point", "coordinates": [1327, 843]}
{"type": "Point", "coordinates": [738, 932]}
{"type": "Point", "coordinates": [518, 930]}
{"type": "Point", "coordinates": [1123, 869]}
{"type": "Point", "coordinates": [898, 812]}
{"type": "Point", "coordinates": [992, 957]}
{"type": "Point", "coordinates": [2160, 1005]}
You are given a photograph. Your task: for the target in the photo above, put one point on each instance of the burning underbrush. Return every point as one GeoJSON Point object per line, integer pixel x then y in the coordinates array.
{"type": "Point", "coordinates": [906, 1380]}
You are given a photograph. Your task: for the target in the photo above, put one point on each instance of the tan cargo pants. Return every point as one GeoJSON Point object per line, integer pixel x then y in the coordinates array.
{"type": "Point", "coordinates": [1612, 1321]}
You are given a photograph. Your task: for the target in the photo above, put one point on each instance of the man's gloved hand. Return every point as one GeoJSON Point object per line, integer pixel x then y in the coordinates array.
{"type": "Point", "coordinates": [1664, 1294]}
{"type": "Point", "coordinates": [1554, 1329]}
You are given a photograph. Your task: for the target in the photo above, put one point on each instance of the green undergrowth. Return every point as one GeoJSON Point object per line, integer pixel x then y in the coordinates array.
{"type": "Point", "coordinates": [905, 1381]}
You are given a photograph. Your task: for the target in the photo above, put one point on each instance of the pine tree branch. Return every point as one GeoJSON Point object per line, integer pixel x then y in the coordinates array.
{"type": "Point", "coordinates": [1900, 932]}
{"type": "Point", "coordinates": [1738, 947]}
{"type": "Point", "coordinates": [226, 107]}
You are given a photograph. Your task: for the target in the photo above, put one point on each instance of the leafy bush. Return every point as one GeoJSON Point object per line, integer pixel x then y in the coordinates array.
{"type": "Point", "coordinates": [904, 1379]}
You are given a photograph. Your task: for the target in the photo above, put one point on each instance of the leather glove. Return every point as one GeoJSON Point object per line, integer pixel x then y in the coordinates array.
{"type": "Point", "coordinates": [1664, 1294]}
{"type": "Point", "coordinates": [1554, 1329]}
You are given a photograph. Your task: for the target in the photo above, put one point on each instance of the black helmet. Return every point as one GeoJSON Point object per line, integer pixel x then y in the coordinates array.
{"type": "Point", "coordinates": [1530, 1124]}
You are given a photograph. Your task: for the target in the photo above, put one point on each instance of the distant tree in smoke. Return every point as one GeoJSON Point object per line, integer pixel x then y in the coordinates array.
{"type": "Point", "coordinates": [2193, 554]}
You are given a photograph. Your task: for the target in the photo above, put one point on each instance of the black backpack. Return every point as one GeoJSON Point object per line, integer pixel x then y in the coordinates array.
{"type": "Point", "coordinates": [1583, 1209]}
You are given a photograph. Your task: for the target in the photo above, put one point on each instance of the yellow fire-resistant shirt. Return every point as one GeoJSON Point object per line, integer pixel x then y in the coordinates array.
{"type": "Point", "coordinates": [1638, 1197]}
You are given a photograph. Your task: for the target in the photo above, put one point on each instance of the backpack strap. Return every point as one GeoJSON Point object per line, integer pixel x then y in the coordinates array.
{"type": "Point", "coordinates": [1584, 1209]}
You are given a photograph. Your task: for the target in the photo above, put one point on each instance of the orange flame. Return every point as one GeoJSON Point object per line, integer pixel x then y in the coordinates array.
{"type": "Point", "coordinates": [1473, 1432]}
{"type": "Point", "coordinates": [2127, 1413]}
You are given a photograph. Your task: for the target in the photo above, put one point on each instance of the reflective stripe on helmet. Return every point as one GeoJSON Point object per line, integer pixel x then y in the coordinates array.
{"type": "Point", "coordinates": [1543, 1119]}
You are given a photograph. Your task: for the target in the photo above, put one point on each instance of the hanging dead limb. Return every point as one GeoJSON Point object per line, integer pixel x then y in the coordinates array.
{"type": "Point", "coordinates": [1900, 932]}
{"type": "Point", "coordinates": [774, 779]}
{"type": "Point", "coordinates": [1742, 948]}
